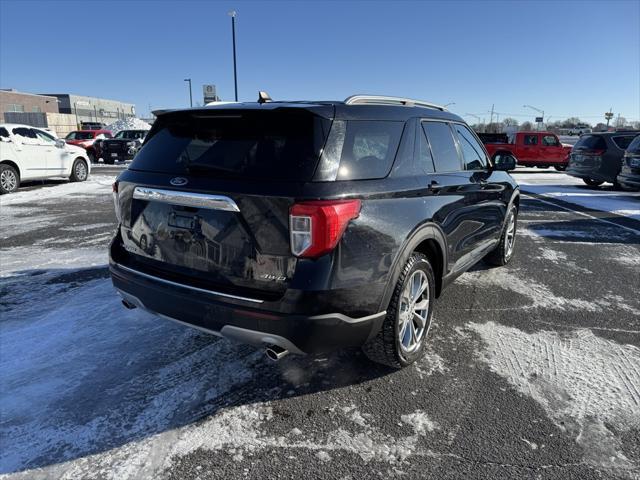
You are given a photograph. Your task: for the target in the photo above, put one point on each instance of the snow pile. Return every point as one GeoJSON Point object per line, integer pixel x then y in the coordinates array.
{"type": "Point", "coordinates": [588, 385]}
{"type": "Point", "coordinates": [130, 123]}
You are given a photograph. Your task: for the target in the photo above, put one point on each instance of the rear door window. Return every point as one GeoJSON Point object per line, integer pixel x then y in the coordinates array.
{"type": "Point", "coordinates": [550, 141]}
{"type": "Point", "coordinates": [4, 134]}
{"type": "Point", "coordinates": [443, 147]}
{"type": "Point", "coordinates": [622, 142]}
{"type": "Point", "coordinates": [472, 153]}
{"type": "Point", "coordinates": [531, 139]}
{"type": "Point", "coordinates": [634, 146]}
{"type": "Point", "coordinates": [26, 135]}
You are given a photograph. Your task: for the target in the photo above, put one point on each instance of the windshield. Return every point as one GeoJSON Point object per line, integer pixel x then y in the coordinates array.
{"type": "Point", "coordinates": [132, 134]}
{"type": "Point", "coordinates": [266, 145]}
{"type": "Point", "coordinates": [80, 136]}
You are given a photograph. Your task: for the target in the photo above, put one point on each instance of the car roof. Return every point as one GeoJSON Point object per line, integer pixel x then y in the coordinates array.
{"type": "Point", "coordinates": [13, 125]}
{"type": "Point", "coordinates": [616, 133]}
{"type": "Point", "coordinates": [334, 109]}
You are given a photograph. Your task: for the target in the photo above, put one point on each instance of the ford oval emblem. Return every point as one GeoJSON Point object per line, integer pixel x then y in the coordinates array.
{"type": "Point", "coordinates": [178, 181]}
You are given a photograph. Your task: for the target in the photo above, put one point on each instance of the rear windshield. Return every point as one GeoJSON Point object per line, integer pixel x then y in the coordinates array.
{"type": "Point", "coordinates": [634, 147]}
{"type": "Point", "coordinates": [259, 145]}
{"type": "Point", "coordinates": [623, 142]}
{"type": "Point", "coordinates": [591, 142]}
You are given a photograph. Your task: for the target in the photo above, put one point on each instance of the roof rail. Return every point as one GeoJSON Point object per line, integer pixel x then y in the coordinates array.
{"type": "Point", "coordinates": [385, 100]}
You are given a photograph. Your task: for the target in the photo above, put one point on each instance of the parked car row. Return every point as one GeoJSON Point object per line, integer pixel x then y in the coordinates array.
{"type": "Point", "coordinates": [612, 157]}
{"type": "Point", "coordinates": [29, 153]}
{"type": "Point", "coordinates": [100, 143]}
{"type": "Point", "coordinates": [596, 158]}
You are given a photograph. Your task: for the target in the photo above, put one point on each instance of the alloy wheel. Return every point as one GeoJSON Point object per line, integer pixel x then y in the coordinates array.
{"type": "Point", "coordinates": [81, 171]}
{"type": "Point", "coordinates": [510, 237]}
{"type": "Point", "coordinates": [413, 312]}
{"type": "Point", "coordinates": [8, 180]}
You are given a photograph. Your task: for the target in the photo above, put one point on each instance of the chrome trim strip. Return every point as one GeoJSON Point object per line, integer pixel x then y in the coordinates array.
{"type": "Point", "coordinates": [186, 199]}
{"type": "Point", "coordinates": [348, 319]}
{"type": "Point", "coordinates": [189, 287]}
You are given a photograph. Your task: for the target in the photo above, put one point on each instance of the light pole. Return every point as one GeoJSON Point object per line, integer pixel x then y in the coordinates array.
{"type": "Point", "coordinates": [190, 94]}
{"type": "Point", "coordinates": [537, 110]}
{"type": "Point", "coordinates": [75, 109]}
{"type": "Point", "coordinates": [233, 14]}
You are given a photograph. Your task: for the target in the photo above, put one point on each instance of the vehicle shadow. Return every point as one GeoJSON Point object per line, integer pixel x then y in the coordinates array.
{"type": "Point", "coordinates": [82, 375]}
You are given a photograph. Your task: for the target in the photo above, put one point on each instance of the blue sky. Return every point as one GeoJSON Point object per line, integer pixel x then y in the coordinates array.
{"type": "Point", "coordinates": [567, 58]}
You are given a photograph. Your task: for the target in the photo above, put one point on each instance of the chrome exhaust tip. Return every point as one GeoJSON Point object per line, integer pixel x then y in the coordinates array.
{"type": "Point", "coordinates": [275, 352]}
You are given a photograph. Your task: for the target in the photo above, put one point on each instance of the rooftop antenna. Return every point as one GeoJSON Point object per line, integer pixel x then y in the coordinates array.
{"type": "Point", "coordinates": [263, 97]}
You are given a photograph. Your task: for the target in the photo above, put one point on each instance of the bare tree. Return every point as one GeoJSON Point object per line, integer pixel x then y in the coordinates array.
{"type": "Point", "coordinates": [619, 122]}
{"type": "Point", "coordinates": [526, 126]}
{"type": "Point", "coordinates": [510, 122]}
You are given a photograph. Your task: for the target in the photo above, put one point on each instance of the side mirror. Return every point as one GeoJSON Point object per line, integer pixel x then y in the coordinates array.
{"type": "Point", "coordinates": [504, 162]}
{"type": "Point", "coordinates": [60, 143]}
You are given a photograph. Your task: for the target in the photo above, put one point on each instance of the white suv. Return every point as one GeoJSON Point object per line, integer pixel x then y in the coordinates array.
{"type": "Point", "coordinates": [29, 153]}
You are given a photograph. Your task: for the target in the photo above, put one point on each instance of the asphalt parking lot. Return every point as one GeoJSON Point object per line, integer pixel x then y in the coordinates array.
{"type": "Point", "coordinates": [532, 370]}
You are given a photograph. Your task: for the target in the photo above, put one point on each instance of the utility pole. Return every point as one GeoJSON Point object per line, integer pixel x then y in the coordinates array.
{"type": "Point", "coordinates": [190, 93]}
{"type": "Point", "coordinates": [491, 119]}
{"type": "Point", "coordinates": [233, 14]}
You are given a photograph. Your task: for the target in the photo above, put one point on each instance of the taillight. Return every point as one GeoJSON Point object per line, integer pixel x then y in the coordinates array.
{"type": "Point", "coordinates": [116, 200]}
{"type": "Point", "coordinates": [592, 151]}
{"type": "Point", "coordinates": [316, 227]}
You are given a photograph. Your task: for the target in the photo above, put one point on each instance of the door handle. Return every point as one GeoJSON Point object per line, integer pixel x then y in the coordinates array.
{"type": "Point", "coordinates": [434, 187]}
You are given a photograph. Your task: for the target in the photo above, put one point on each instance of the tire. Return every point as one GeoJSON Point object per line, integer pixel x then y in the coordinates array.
{"type": "Point", "coordinates": [9, 179]}
{"type": "Point", "coordinates": [592, 183]}
{"type": "Point", "coordinates": [503, 253]}
{"type": "Point", "coordinates": [92, 156]}
{"type": "Point", "coordinates": [560, 168]}
{"type": "Point", "coordinates": [79, 171]}
{"type": "Point", "coordinates": [387, 347]}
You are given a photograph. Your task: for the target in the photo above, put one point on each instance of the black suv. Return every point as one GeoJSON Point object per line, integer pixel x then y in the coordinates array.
{"type": "Point", "coordinates": [597, 157]}
{"type": "Point", "coordinates": [123, 146]}
{"type": "Point", "coordinates": [307, 226]}
{"type": "Point", "coordinates": [629, 176]}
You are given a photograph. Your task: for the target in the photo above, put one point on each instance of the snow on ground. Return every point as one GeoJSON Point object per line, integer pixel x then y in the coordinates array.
{"type": "Point", "coordinates": [96, 185]}
{"type": "Point", "coordinates": [573, 190]}
{"type": "Point", "coordinates": [593, 404]}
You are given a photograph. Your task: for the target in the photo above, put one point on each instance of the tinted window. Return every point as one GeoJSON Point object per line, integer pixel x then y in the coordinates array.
{"type": "Point", "coordinates": [424, 153]}
{"type": "Point", "coordinates": [550, 141]}
{"type": "Point", "coordinates": [25, 133]}
{"type": "Point", "coordinates": [591, 142]}
{"type": "Point", "coordinates": [622, 142]}
{"type": "Point", "coordinates": [531, 139]}
{"type": "Point", "coordinates": [44, 137]}
{"type": "Point", "coordinates": [369, 149]}
{"type": "Point", "coordinates": [634, 147]}
{"type": "Point", "coordinates": [443, 148]}
{"type": "Point", "coordinates": [260, 145]}
{"type": "Point", "coordinates": [472, 152]}
{"type": "Point", "coordinates": [4, 133]}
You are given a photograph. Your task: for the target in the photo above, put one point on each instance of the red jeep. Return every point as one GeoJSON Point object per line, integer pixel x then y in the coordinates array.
{"type": "Point", "coordinates": [89, 140]}
{"type": "Point", "coordinates": [534, 149]}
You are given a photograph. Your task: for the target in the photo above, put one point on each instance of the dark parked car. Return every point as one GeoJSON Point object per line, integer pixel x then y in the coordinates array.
{"type": "Point", "coordinates": [308, 226]}
{"type": "Point", "coordinates": [629, 176]}
{"type": "Point", "coordinates": [597, 157]}
{"type": "Point", "coordinates": [123, 146]}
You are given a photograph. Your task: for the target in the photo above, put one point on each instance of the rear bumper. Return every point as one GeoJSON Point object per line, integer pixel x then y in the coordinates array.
{"type": "Point", "coordinates": [629, 179]}
{"type": "Point", "coordinates": [240, 318]}
{"type": "Point", "coordinates": [588, 174]}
